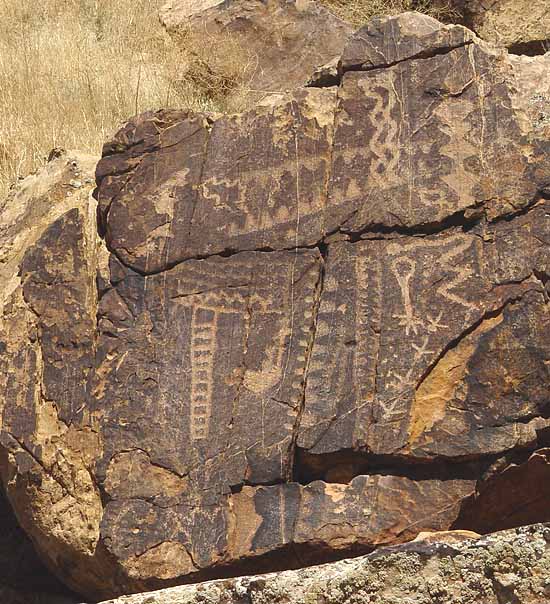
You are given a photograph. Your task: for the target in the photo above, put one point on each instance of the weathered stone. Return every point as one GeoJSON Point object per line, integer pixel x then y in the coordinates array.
{"type": "Point", "coordinates": [435, 138]}
{"type": "Point", "coordinates": [325, 75]}
{"type": "Point", "coordinates": [282, 41]}
{"type": "Point", "coordinates": [251, 181]}
{"type": "Point", "coordinates": [322, 327]}
{"type": "Point", "coordinates": [176, 13]}
{"type": "Point", "coordinates": [384, 42]}
{"type": "Point", "coordinates": [506, 567]}
{"type": "Point", "coordinates": [513, 496]}
{"type": "Point", "coordinates": [521, 25]}
{"type": "Point", "coordinates": [437, 145]}
{"type": "Point", "coordinates": [470, 316]}
{"type": "Point", "coordinates": [23, 577]}
{"type": "Point", "coordinates": [36, 202]}
{"type": "Point", "coordinates": [50, 253]}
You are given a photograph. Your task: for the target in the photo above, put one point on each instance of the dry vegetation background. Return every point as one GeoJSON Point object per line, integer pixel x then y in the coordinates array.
{"type": "Point", "coordinates": [72, 71]}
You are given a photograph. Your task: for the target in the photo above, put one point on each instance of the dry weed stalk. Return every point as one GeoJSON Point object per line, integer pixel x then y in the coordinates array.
{"type": "Point", "coordinates": [72, 71]}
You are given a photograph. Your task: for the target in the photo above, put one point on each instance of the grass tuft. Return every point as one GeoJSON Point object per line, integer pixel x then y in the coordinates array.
{"type": "Point", "coordinates": [72, 71]}
{"type": "Point", "coordinates": [358, 12]}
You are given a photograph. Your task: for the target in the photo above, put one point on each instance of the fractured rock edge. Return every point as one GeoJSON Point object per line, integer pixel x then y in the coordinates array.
{"type": "Point", "coordinates": [435, 40]}
{"type": "Point", "coordinates": [448, 568]}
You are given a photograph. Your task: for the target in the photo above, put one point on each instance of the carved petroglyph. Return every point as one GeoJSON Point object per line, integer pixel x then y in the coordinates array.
{"type": "Point", "coordinates": [301, 294]}
{"type": "Point", "coordinates": [403, 269]}
{"type": "Point", "coordinates": [203, 349]}
{"type": "Point", "coordinates": [408, 299]}
{"type": "Point", "coordinates": [385, 129]}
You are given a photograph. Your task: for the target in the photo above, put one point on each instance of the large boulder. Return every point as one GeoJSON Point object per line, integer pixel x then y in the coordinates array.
{"type": "Point", "coordinates": [321, 326]}
{"type": "Point", "coordinates": [447, 568]}
{"type": "Point", "coordinates": [43, 460]}
{"type": "Point", "coordinates": [278, 43]}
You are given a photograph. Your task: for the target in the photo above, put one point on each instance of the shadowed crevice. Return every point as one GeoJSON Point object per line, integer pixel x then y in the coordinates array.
{"type": "Point", "coordinates": [21, 570]}
{"type": "Point", "coordinates": [533, 48]}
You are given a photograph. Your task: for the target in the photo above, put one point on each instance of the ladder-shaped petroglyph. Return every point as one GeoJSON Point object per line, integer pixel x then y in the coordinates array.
{"type": "Point", "coordinates": [368, 325]}
{"type": "Point", "coordinates": [204, 323]}
{"type": "Point", "coordinates": [208, 311]}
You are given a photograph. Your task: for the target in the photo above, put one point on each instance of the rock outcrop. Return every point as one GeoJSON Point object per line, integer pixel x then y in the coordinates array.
{"type": "Point", "coordinates": [321, 326]}
{"type": "Point", "coordinates": [278, 42]}
{"type": "Point", "coordinates": [505, 567]}
{"type": "Point", "coordinates": [42, 460]}
{"type": "Point", "coordinates": [521, 25]}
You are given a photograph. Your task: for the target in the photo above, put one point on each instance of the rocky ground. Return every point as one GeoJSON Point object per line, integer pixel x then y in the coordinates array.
{"type": "Point", "coordinates": [504, 567]}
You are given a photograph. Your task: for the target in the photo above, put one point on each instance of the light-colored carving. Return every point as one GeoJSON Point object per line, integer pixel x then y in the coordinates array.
{"type": "Point", "coordinates": [207, 308]}
{"type": "Point", "coordinates": [384, 141]}
{"type": "Point", "coordinates": [204, 324]}
{"type": "Point", "coordinates": [403, 269]}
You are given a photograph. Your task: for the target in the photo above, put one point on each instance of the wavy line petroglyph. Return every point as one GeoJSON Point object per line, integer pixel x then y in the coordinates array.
{"type": "Point", "coordinates": [384, 141]}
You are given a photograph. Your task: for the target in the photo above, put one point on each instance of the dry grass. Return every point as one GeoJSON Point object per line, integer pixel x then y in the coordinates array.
{"type": "Point", "coordinates": [359, 12]}
{"type": "Point", "coordinates": [72, 71]}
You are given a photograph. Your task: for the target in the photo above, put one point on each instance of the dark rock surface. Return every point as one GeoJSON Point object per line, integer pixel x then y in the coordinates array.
{"type": "Point", "coordinates": [321, 326]}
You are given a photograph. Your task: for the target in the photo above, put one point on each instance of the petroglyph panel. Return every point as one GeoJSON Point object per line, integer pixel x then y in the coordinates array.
{"type": "Point", "coordinates": [239, 381]}
{"type": "Point", "coordinates": [420, 141]}
{"type": "Point", "coordinates": [414, 343]}
{"type": "Point", "coordinates": [385, 42]}
{"type": "Point", "coordinates": [202, 368]}
{"type": "Point", "coordinates": [249, 181]}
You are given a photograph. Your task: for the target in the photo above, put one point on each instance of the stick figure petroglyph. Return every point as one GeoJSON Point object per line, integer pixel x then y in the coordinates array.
{"type": "Point", "coordinates": [403, 269]}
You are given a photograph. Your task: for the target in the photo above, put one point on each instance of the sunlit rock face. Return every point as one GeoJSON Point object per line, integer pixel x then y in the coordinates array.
{"type": "Point", "coordinates": [294, 334]}
{"type": "Point", "coordinates": [449, 566]}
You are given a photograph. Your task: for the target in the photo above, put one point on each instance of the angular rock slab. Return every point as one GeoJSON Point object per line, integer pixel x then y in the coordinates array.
{"type": "Point", "coordinates": [195, 380]}
{"type": "Point", "coordinates": [383, 42]}
{"type": "Point", "coordinates": [467, 313]}
{"type": "Point", "coordinates": [410, 145]}
{"type": "Point", "coordinates": [256, 180]}
{"type": "Point", "coordinates": [175, 13]}
{"type": "Point", "coordinates": [419, 136]}
{"type": "Point", "coordinates": [48, 228]}
{"type": "Point", "coordinates": [508, 566]}
{"type": "Point", "coordinates": [199, 384]}
{"type": "Point", "coordinates": [346, 284]}
{"type": "Point", "coordinates": [279, 42]}
{"type": "Point", "coordinates": [513, 496]}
